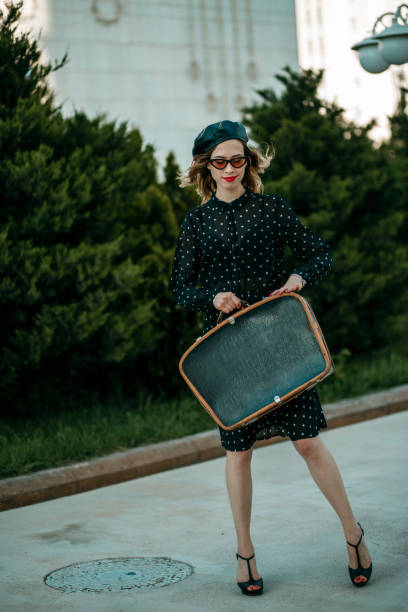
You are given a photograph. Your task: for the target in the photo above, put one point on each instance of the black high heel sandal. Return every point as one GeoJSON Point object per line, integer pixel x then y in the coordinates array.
{"type": "Point", "coordinates": [360, 571]}
{"type": "Point", "coordinates": [251, 582]}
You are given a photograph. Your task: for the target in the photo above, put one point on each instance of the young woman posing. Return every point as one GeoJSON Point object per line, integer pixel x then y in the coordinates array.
{"type": "Point", "coordinates": [234, 243]}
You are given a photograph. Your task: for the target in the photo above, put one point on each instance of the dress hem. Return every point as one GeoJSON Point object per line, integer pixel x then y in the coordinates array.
{"type": "Point", "coordinates": [275, 435]}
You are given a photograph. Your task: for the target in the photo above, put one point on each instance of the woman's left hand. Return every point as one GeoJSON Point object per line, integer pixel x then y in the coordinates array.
{"type": "Point", "coordinates": [294, 283]}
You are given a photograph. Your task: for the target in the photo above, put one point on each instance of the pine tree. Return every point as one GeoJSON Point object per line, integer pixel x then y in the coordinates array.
{"type": "Point", "coordinates": [341, 184]}
{"type": "Point", "coordinates": [86, 240]}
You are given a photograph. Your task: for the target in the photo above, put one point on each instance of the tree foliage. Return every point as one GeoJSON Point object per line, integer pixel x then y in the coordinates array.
{"type": "Point", "coordinates": [87, 234]}
{"type": "Point", "coordinates": [86, 242]}
{"type": "Point", "coordinates": [354, 194]}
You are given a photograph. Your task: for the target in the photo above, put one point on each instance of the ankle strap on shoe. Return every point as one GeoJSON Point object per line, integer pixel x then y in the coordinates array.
{"type": "Point", "coordinates": [361, 537]}
{"type": "Point", "coordinates": [245, 558]}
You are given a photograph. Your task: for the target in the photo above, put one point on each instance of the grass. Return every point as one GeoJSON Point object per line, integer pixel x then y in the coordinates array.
{"type": "Point", "coordinates": [64, 437]}
{"type": "Point", "coordinates": [353, 377]}
{"type": "Point", "coordinates": [60, 438]}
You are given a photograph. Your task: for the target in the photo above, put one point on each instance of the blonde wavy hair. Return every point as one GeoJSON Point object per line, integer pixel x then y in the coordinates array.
{"type": "Point", "coordinates": [199, 176]}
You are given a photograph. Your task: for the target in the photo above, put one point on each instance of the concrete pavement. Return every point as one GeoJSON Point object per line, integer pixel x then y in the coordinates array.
{"type": "Point", "coordinates": [184, 514]}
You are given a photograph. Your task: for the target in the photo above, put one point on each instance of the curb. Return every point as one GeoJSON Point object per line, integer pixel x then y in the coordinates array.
{"type": "Point", "coordinates": [145, 460]}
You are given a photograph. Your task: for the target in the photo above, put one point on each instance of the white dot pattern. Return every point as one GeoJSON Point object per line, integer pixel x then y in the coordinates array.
{"type": "Point", "coordinates": [238, 246]}
{"type": "Point", "coordinates": [300, 418]}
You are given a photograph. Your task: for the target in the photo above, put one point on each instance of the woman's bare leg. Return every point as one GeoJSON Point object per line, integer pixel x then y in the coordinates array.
{"type": "Point", "coordinates": [326, 474]}
{"type": "Point", "coordinates": [239, 485]}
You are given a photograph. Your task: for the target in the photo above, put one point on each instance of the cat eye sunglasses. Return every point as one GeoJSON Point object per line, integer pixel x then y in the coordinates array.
{"type": "Point", "coordinates": [236, 162]}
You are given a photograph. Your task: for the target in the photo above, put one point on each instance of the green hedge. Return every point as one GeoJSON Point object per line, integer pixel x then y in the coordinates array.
{"type": "Point", "coordinates": [87, 235]}
{"type": "Point", "coordinates": [352, 192]}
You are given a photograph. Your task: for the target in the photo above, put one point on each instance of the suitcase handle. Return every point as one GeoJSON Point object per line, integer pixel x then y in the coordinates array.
{"type": "Point", "coordinates": [219, 319]}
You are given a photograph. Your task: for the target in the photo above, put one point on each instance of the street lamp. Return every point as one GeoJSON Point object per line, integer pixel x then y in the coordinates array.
{"type": "Point", "coordinates": [390, 46]}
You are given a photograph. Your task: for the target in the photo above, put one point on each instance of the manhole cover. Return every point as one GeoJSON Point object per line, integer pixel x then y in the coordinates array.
{"type": "Point", "coordinates": [121, 574]}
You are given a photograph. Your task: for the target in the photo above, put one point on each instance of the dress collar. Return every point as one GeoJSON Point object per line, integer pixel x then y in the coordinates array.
{"type": "Point", "coordinates": [237, 203]}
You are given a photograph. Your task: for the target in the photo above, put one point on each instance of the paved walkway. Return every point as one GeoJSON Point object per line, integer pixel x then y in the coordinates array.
{"type": "Point", "coordinates": [184, 514]}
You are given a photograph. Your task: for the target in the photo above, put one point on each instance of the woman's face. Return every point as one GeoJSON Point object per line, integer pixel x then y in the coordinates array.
{"type": "Point", "coordinates": [228, 177]}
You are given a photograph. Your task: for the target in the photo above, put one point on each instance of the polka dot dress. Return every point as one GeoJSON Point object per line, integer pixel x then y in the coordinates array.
{"type": "Point", "coordinates": [238, 246]}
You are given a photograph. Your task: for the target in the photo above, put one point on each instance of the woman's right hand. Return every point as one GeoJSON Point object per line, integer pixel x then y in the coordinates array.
{"type": "Point", "coordinates": [226, 301]}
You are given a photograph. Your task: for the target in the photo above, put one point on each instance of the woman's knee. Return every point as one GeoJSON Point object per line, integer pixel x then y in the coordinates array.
{"type": "Point", "coordinates": [308, 448]}
{"type": "Point", "coordinates": [239, 459]}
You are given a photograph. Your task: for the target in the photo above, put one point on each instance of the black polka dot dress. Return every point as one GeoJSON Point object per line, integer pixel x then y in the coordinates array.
{"type": "Point", "coordinates": [238, 246]}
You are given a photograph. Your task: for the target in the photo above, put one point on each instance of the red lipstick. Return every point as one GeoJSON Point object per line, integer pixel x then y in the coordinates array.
{"type": "Point", "coordinates": [230, 179]}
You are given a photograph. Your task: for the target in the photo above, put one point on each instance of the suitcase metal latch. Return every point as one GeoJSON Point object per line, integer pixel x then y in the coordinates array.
{"type": "Point", "coordinates": [277, 399]}
{"type": "Point", "coordinates": [231, 320]}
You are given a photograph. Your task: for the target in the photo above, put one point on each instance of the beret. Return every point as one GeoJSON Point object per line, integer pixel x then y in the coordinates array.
{"type": "Point", "coordinates": [218, 132]}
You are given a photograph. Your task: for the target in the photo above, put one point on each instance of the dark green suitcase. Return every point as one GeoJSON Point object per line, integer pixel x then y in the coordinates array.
{"type": "Point", "coordinates": [258, 358]}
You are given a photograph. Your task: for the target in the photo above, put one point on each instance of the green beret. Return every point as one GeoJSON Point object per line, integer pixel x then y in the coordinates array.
{"type": "Point", "coordinates": [218, 132]}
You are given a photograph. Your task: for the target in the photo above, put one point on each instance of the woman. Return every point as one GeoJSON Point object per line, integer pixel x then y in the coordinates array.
{"type": "Point", "coordinates": [233, 242]}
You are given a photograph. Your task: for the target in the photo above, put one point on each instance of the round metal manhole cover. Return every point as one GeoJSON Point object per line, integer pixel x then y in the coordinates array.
{"type": "Point", "coordinates": [120, 574]}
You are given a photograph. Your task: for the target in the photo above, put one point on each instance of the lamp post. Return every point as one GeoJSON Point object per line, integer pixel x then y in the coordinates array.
{"type": "Point", "coordinates": [390, 46]}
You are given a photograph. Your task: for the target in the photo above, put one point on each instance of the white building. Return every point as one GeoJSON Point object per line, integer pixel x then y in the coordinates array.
{"type": "Point", "coordinates": [326, 29]}
{"type": "Point", "coordinates": [169, 67]}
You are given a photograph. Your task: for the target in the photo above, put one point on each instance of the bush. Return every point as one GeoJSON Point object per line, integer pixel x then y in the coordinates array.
{"type": "Point", "coordinates": [86, 239]}
{"type": "Point", "coordinates": [87, 236]}
{"type": "Point", "coordinates": [352, 193]}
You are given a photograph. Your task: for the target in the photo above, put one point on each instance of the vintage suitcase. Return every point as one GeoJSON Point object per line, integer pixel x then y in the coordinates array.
{"type": "Point", "coordinates": [258, 358]}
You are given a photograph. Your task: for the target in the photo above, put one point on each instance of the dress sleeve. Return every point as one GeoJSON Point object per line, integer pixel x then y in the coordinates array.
{"type": "Point", "coordinates": [185, 271]}
{"type": "Point", "coordinates": [307, 246]}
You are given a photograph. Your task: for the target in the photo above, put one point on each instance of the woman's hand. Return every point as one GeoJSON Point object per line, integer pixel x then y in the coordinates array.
{"type": "Point", "coordinates": [226, 301]}
{"type": "Point", "coordinates": [294, 283]}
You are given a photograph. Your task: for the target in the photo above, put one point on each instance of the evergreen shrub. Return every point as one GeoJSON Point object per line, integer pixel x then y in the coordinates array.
{"type": "Point", "coordinates": [88, 232]}
{"type": "Point", "coordinates": [86, 241]}
{"type": "Point", "coordinates": [354, 193]}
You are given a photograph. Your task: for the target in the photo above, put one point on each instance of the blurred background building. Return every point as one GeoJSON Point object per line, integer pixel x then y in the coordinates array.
{"type": "Point", "coordinates": [170, 67]}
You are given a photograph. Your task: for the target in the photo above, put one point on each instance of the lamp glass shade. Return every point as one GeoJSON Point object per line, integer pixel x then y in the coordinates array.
{"type": "Point", "coordinates": [393, 43]}
{"type": "Point", "coordinates": [371, 59]}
